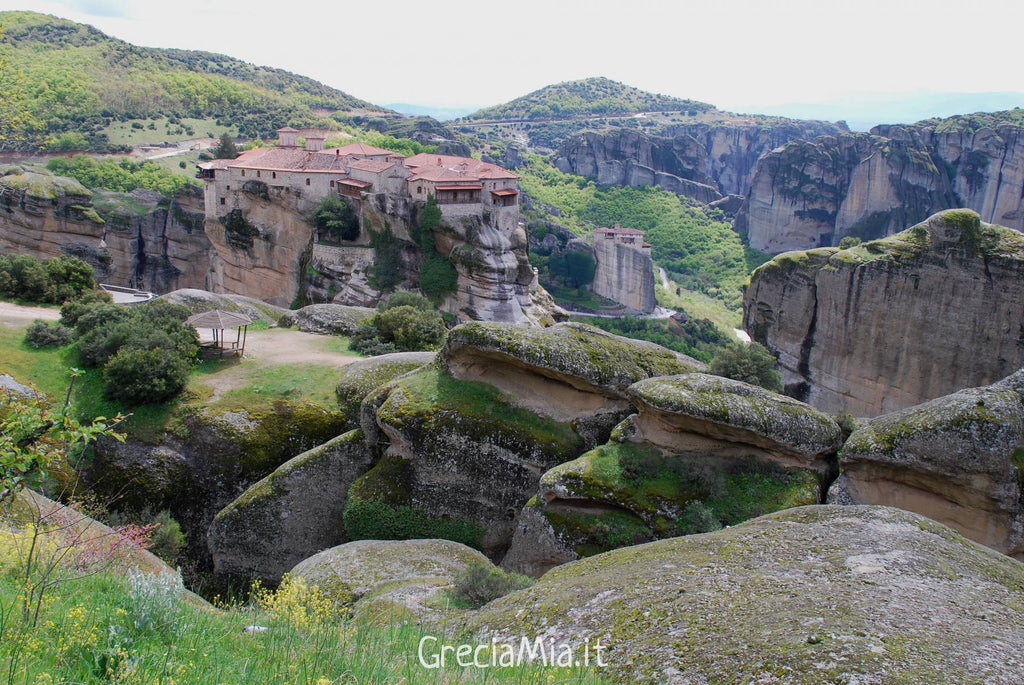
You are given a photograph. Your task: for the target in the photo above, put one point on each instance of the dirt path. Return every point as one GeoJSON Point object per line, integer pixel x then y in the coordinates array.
{"type": "Point", "coordinates": [281, 346]}
{"type": "Point", "coordinates": [19, 315]}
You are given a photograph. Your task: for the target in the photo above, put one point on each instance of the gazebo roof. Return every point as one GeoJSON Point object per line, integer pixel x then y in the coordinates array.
{"type": "Point", "coordinates": [218, 318]}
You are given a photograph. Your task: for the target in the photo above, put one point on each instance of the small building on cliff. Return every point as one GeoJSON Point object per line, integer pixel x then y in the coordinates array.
{"type": "Point", "coordinates": [625, 270]}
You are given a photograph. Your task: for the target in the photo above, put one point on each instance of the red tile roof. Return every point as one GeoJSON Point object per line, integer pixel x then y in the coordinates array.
{"type": "Point", "coordinates": [360, 149]}
{"type": "Point", "coordinates": [289, 159]}
{"type": "Point", "coordinates": [434, 167]}
{"type": "Point", "coordinates": [371, 165]}
{"type": "Point", "coordinates": [504, 192]}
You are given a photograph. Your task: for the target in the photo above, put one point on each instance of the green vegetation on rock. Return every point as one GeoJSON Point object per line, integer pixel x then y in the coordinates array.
{"type": "Point", "coordinates": [571, 349]}
{"type": "Point", "coordinates": [668, 494]}
{"type": "Point", "coordinates": [380, 507]}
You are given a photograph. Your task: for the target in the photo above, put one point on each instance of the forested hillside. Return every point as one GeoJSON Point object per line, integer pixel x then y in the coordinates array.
{"type": "Point", "coordinates": [62, 84]}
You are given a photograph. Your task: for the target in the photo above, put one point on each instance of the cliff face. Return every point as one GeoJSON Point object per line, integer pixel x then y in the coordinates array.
{"type": "Point", "coordinates": [624, 274]}
{"type": "Point", "coordinates": [702, 161]}
{"type": "Point", "coordinates": [811, 194]}
{"type": "Point", "coordinates": [894, 322]}
{"type": "Point", "coordinates": [136, 238]}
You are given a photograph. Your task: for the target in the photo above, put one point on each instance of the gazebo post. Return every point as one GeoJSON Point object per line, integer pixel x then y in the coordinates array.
{"type": "Point", "coordinates": [245, 330]}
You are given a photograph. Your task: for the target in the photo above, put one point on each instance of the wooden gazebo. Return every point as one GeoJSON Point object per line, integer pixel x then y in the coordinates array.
{"type": "Point", "coordinates": [217, 320]}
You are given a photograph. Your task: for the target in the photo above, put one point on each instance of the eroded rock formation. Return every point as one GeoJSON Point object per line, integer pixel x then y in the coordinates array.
{"type": "Point", "coordinates": [812, 193]}
{"type": "Point", "coordinates": [954, 459]}
{"type": "Point", "coordinates": [883, 325]}
{"type": "Point", "coordinates": [703, 440]}
{"type": "Point", "coordinates": [703, 161]}
{"type": "Point", "coordinates": [138, 238]}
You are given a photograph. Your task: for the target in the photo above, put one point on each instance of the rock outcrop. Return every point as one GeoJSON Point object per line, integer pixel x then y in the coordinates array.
{"type": "Point", "coordinates": [883, 325]}
{"type": "Point", "coordinates": [800, 596]}
{"type": "Point", "coordinates": [495, 279]}
{"type": "Point", "coordinates": [329, 319]}
{"type": "Point", "coordinates": [625, 269]}
{"type": "Point", "coordinates": [198, 301]}
{"type": "Point", "coordinates": [139, 238]}
{"type": "Point", "coordinates": [261, 243]}
{"type": "Point", "coordinates": [955, 459]}
{"type": "Point", "coordinates": [702, 452]}
{"type": "Point", "coordinates": [810, 194]}
{"type": "Point", "coordinates": [705, 161]}
{"type": "Point", "coordinates": [464, 443]}
{"type": "Point", "coordinates": [291, 514]}
{"type": "Point", "coordinates": [207, 459]}
{"type": "Point", "coordinates": [383, 578]}
{"type": "Point", "coordinates": [360, 378]}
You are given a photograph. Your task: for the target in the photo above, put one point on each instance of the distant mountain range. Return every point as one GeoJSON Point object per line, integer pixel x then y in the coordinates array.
{"type": "Point", "coordinates": [871, 110]}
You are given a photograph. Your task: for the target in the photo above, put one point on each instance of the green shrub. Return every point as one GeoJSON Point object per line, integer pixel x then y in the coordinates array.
{"type": "Point", "coordinates": [402, 298]}
{"type": "Point", "coordinates": [335, 220]}
{"type": "Point", "coordinates": [698, 518]}
{"type": "Point", "coordinates": [45, 334]}
{"type": "Point", "coordinates": [478, 584]}
{"type": "Point", "coordinates": [143, 376]}
{"type": "Point", "coordinates": [73, 309]}
{"type": "Point", "coordinates": [400, 329]}
{"type": "Point", "coordinates": [168, 539]}
{"type": "Point", "coordinates": [438, 276]}
{"type": "Point", "coordinates": [750, 363]}
{"type": "Point", "coordinates": [848, 242]}
{"type": "Point", "coordinates": [373, 520]}
{"type": "Point", "coordinates": [51, 280]}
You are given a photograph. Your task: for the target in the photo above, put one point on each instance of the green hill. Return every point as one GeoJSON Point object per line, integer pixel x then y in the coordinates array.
{"type": "Point", "coordinates": [62, 84]}
{"type": "Point", "coordinates": [588, 97]}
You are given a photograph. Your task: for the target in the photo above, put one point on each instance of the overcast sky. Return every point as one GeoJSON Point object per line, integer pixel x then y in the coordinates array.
{"type": "Point", "coordinates": [737, 54]}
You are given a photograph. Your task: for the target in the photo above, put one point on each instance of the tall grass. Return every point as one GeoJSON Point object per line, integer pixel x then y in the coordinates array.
{"type": "Point", "coordinates": [115, 627]}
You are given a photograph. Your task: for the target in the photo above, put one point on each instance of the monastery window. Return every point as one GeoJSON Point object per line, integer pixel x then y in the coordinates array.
{"type": "Point", "coordinates": [222, 200]}
{"type": "Point", "coordinates": [419, 190]}
{"type": "Point", "coordinates": [332, 184]}
{"type": "Point", "coordinates": [273, 174]}
{"type": "Point", "coordinates": [258, 173]}
{"type": "Point", "coordinates": [243, 172]}
{"type": "Point", "coordinates": [307, 181]}
{"type": "Point", "coordinates": [229, 187]}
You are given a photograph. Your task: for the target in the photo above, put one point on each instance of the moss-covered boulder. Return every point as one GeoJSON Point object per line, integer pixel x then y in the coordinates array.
{"type": "Point", "coordinates": [569, 372]}
{"type": "Point", "coordinates": [627, 493]}
{"type": "Point", "coordinates": [327, 319]}
{"type": "Point", "coordinates": [291, 514]}
{"type": "Point", "coordinates": [198, 301]}
{"type": "Point", "coordinates": [703, 452]}
{"type": "Point", "coordinates": [389, 576]}
{"type": "Point", "coordinates": [360, 377]}
{"type": "Point", "coordinates": [459, 454]}
{"type": "Point", "coordinates": [677, 412]}
{"type": "Point", "coordinates": [207, 459]}
{"type": "Point", "coordinates": [809, 595]}
{"type": "Point", "coordinates": [956, 459]}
